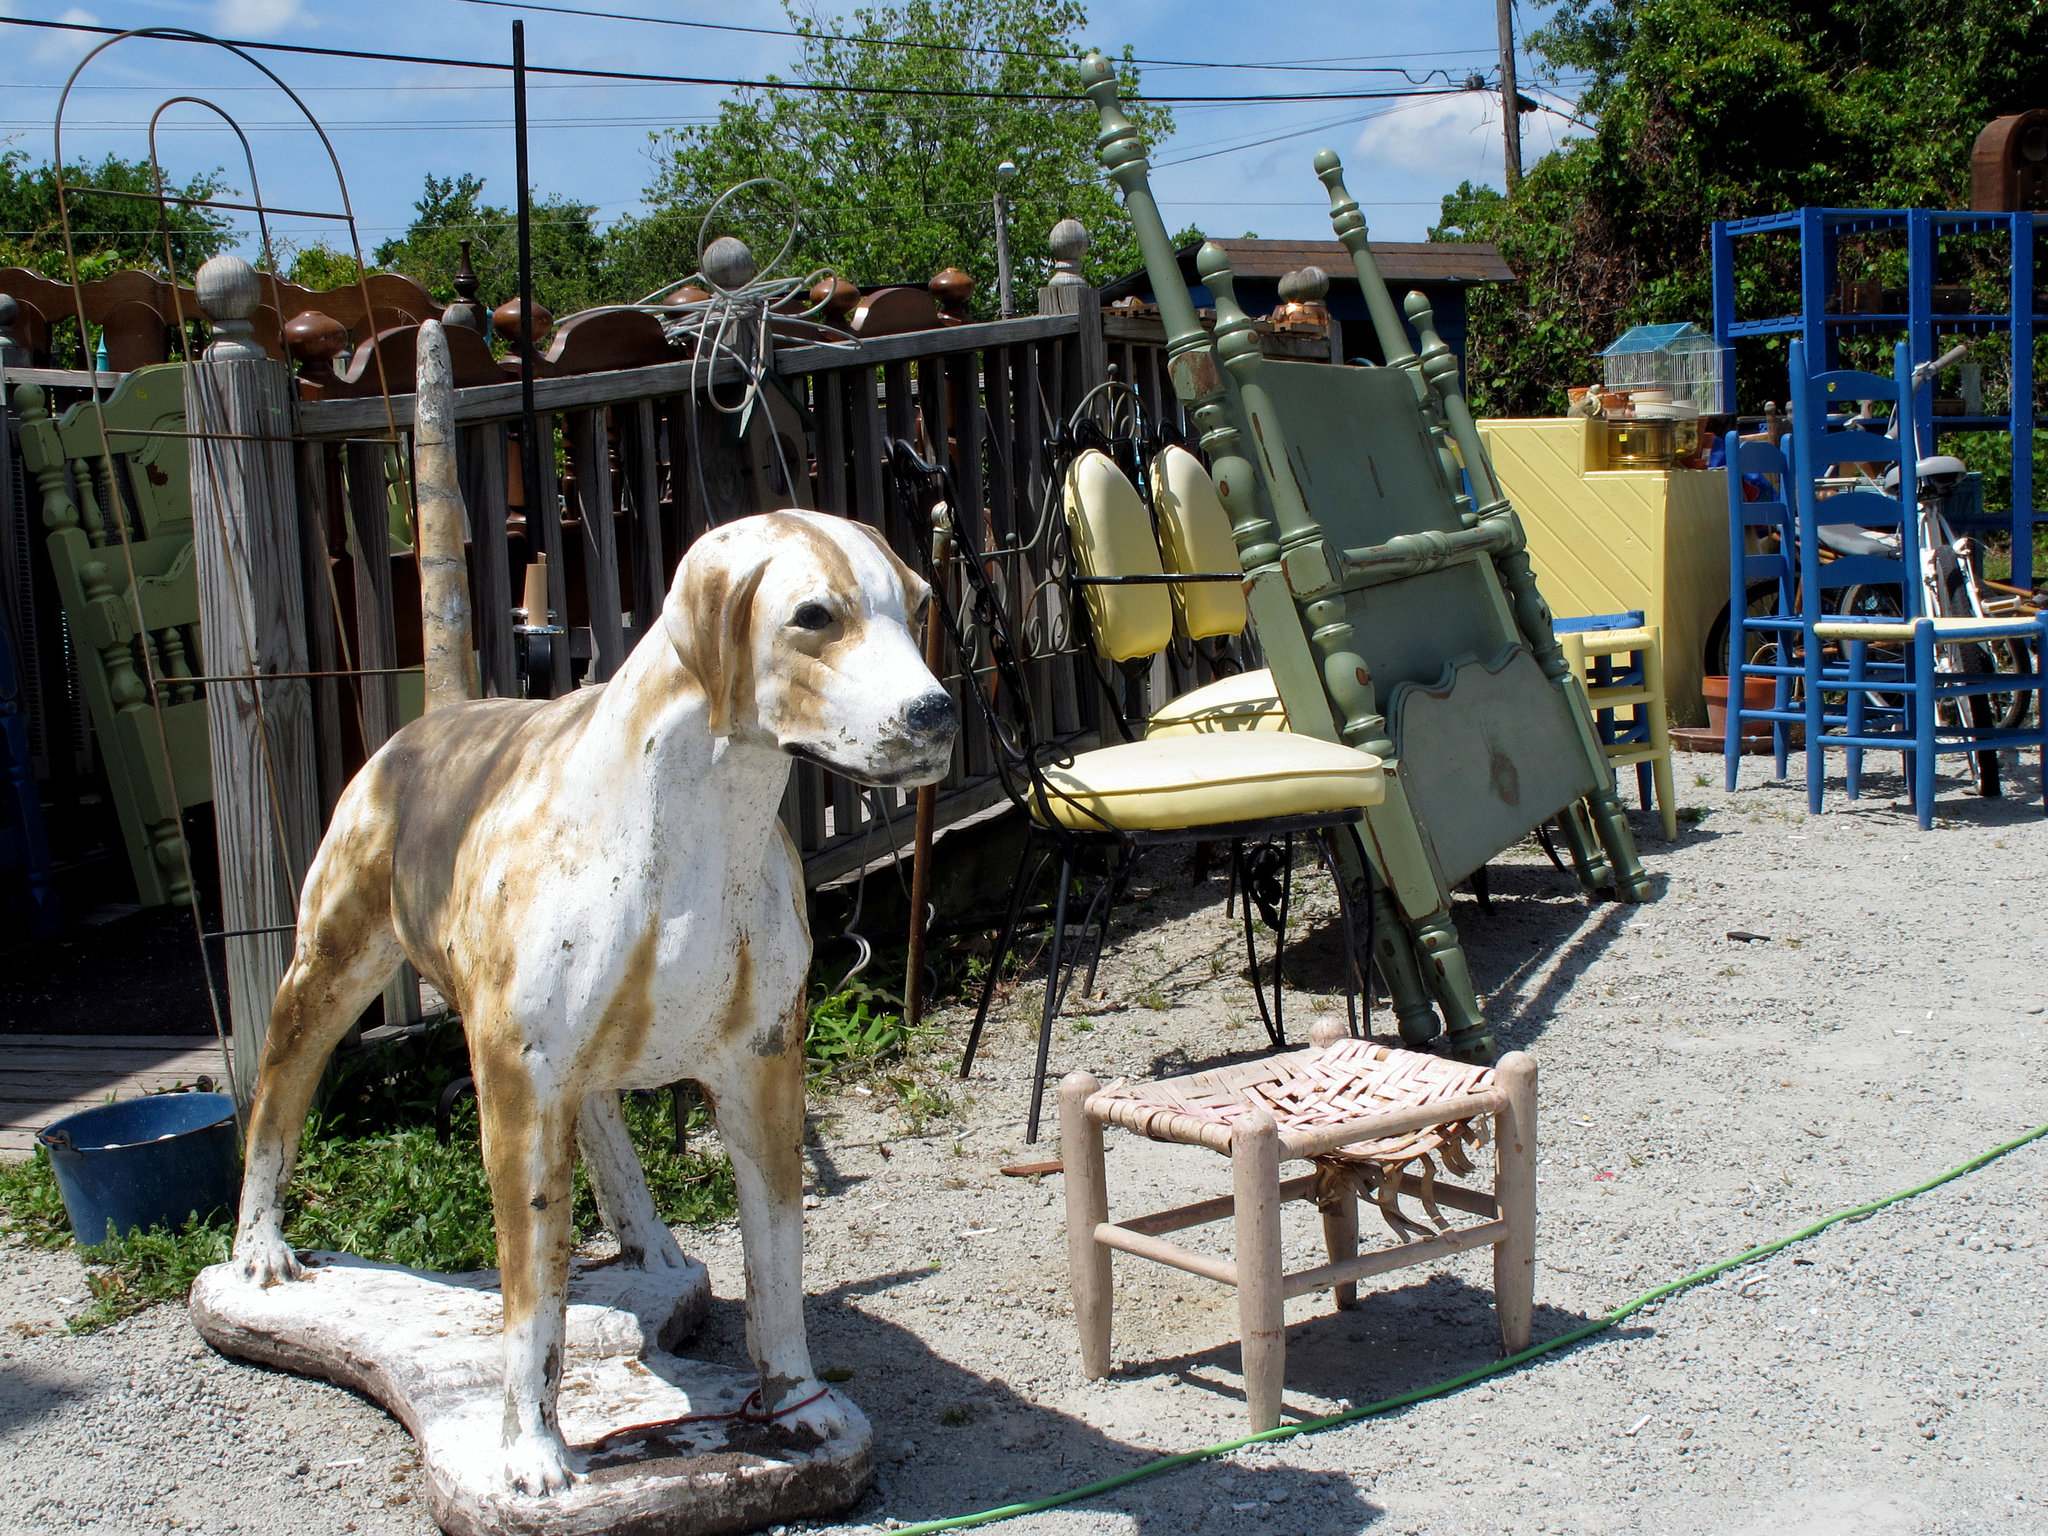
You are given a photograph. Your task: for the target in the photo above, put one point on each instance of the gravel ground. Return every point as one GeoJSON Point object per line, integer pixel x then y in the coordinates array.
{"type": "Point", "coordinates": [1698, 1095]}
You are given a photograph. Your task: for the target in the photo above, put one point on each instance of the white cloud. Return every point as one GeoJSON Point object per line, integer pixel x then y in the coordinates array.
{"type": "Point", "coordinates": [66, 46]}
{"type": "Point", "coordinates": [1449, 139]}
{"type": "Point", "coordinates": [243, 18]}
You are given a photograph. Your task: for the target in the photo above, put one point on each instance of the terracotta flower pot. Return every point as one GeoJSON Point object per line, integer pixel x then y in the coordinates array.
{"type": "Point", "coordinates": [1757, 693]}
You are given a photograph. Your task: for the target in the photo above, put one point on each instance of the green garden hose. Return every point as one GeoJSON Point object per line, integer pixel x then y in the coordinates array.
{"type": "Point", "coordinates": [1512, 1362]}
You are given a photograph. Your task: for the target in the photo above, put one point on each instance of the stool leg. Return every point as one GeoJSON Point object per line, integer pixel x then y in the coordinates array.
{"type": "Point", "coordinates": [1340, 1236]}
{"type": "Point", "coordinates": [1261, 1320]}
{"type": "Point", "coordinates": [1656, 713]}
{"type": "Point", "coordinates": [1087, 1208]}
{"type": "Point", "coordinates": [1514, 1188]}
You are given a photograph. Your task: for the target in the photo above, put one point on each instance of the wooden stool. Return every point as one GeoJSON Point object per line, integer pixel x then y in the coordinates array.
{"type": "Point", "coordinates": [1637, 686]}
{"type": "Point", "coordinates": [1366, 1116]}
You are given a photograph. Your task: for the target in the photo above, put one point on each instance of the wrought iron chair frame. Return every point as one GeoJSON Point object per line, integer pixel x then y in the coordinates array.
{"type": "Point", "coordinates": [1022, 757]}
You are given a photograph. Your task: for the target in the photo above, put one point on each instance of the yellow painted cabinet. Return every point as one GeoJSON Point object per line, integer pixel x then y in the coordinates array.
{"type": "Point", "coordinates": [1606, 540]}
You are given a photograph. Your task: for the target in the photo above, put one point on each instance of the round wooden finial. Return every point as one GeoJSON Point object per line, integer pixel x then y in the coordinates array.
{"type": "Point", "coordinates": [229, 292]}
{"type": "Point", "coordinates": [316, 340]}
{"type": "Point", "coordinates": [1325, 1032]}
{"type": "Point", "coordinates": [508, 322]}
{"type": "Point", "coordinates": [1308, 286]}
{"type": "Point", "coordinates": [837, 295]}
{"type": "Point", "coordinates": [952, 288]}
{"type": "Point", "coordinates": [1069, 242]}
{"type": "Point", "coordinates": [728, 264]}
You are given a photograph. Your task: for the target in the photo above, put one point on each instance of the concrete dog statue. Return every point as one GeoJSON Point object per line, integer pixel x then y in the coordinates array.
{"type": "Point", "coordinates": [600, 885]}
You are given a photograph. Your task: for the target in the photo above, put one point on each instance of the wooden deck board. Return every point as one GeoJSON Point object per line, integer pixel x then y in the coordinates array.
{"type": "Point", "coordinates": [45, 1077]}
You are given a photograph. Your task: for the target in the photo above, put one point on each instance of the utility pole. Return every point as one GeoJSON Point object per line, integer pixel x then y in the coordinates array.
{"type": "Point", "coordinates": [1510, 97]}
{"type": "Point", "coordinates": [1005, 174]}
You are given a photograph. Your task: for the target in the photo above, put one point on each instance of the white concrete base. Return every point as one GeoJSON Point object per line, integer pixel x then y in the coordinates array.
{"type": "Point", "coordinates": [426, 1347]}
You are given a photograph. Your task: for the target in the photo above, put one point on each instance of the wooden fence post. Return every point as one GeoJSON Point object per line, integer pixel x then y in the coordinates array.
{"type": "Point", "coordinates": [245, 535]}
{"type": "Point", "coordinates": [1070, 293]}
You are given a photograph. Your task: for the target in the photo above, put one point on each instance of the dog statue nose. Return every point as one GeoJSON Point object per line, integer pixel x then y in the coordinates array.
{"type": "Point", "coordinates": [932, 716]}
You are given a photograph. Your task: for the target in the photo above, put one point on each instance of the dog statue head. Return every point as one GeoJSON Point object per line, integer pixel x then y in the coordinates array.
{"type": "Point", "coordinates": [800, 628]}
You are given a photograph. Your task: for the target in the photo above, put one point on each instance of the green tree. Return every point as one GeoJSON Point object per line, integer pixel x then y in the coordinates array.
{"type": "Point", "coordinates": [109, 234]}
{"type": "Point", "coordinates": [571, 269]}
{"type": "Point", "coordinates": [1720, 109]}
{"type": "Point", "coordinates": [895, 188]}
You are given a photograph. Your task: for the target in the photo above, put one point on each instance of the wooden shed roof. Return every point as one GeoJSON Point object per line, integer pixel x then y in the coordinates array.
{"type": "Point", "coordinates": [1400, 261]}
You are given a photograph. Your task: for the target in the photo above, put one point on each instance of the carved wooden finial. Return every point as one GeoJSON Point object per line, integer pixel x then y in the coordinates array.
{"type": "Point", "coordinates": [838, 296]}
{"type": "Point", "coordinates": [1345, 216]}
{"type": "Point", "coordinates": [508, 322]}
{"type": "Point", "coordinates": [229, 292]}
{"type": "Point", "coordinates": [466, 310]}
{"type": "Point", "coordinates": [1069, 242]}
{"type": "Point", "coordinates": [1119, 146]}
{"type": "Point", "coordinates": [1235, 339]}
{"type": "Point", "coordinates": [952, 288]}
{"type": "Point", "coordinates": [728, 265]}
{"type": "Point", "coordinates": [316, 340]}
{"type": "Point", "coordinates": [1439, 362]}
{"type": "Point", "coordinates": [1308, 286]}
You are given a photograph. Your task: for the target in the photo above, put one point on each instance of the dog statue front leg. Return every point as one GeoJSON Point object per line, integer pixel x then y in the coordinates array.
{"type": "Point", "coordinates": [529, 1143]}
{"type": "Point", "coordinates": [759, 1105]}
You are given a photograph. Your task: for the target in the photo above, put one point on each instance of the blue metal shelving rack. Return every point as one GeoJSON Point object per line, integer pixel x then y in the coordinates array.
{"type": "Point", "coordinates": [1819, 230]}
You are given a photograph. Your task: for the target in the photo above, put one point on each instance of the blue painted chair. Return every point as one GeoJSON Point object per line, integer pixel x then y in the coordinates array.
{"type": "Point", "coordinates": [1875, 683]}
{"type": "Point", "coordinates": [22, 844]}
{"type": "Point", "coordinates": [1762, 574]}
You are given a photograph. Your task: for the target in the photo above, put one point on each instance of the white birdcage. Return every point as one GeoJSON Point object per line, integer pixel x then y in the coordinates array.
{"type": "Point", "coordinates": [1680, 360]}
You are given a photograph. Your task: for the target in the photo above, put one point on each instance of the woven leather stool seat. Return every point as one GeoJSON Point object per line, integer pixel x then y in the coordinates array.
{"type": "Point", "coordinates": [1373, 1121]}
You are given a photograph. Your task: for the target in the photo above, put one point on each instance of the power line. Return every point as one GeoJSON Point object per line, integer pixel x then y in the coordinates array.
{"type": "Point", "coordinates": [179, 35]}
{"type": "Point", "coordinates": [1305, 66]}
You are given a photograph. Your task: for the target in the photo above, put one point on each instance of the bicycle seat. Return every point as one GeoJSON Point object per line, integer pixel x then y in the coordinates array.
{"type": "Point", "coordinates": [1848, 539]}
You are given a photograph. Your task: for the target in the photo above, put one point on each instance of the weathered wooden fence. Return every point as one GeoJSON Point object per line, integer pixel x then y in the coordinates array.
{"type": "Point", "coordinates": [637, 463]}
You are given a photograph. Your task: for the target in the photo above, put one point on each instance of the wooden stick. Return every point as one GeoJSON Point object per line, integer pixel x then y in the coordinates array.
{"type": "Point", "coordinates": [1327, 1138]}
{"type": "Point", "coordinates": [1340, 1237]}
{"type": "Point", "coordinates": [1109, 1234]}
{"type": "Point", "coordinates": [1514, 1185]}
{"type": "Point", "coordinates": [451, 670]}
{"type": "Point", "coordinates": [1261, 1319]}
{"type": "Point", "coordinates": [1202, 1212]}
{"type": "Point", "coordinates": [1087, 1214]}
{"type": "Point", "coordinates": [927, 820]}
{"type": "Point", "coordinates": [1402, 1256]}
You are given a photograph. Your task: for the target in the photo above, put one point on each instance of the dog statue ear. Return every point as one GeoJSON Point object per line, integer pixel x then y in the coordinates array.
{"type": "Point", "coordinates": [709, 617]}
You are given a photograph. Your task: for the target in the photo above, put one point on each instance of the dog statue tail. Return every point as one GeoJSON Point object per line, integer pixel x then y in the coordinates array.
{"type": "Point", "coordinates": [451, 672]}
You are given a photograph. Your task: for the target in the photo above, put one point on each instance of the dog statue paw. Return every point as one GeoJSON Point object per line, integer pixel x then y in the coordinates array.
{"type": "Point", "coordinates": [266, 1258]}
{"type": "Point", "coordinates": [828, 1417]}
{"type": "Point", "coordinates": [537, 1463]}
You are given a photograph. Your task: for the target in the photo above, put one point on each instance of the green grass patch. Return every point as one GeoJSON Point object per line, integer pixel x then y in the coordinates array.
{"type": "Point", "coordinates": [392, 1193]}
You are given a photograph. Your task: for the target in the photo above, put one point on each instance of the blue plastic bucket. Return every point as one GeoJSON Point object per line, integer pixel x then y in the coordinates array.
{"type": "Point", "coordinates": [148, 1162]}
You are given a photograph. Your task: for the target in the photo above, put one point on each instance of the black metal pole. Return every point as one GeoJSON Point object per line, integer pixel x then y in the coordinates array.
{"type": "Point", "coordinates": [529, 429]}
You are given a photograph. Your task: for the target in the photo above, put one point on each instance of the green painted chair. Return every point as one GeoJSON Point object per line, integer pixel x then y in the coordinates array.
{"type": "Point", "coordinates": [1398, 612]}
{"type": "Point", "coordinates": [157, 765]}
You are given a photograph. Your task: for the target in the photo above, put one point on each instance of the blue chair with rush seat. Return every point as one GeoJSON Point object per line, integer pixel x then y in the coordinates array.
{"type": "Point", "coordinates": [1763, 568]}
{"type": "Point", "coordinates": [1902, 681]}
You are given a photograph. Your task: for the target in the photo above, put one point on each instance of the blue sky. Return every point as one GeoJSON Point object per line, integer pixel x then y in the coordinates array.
{"type": "Point", "coordinates": [391, 124]}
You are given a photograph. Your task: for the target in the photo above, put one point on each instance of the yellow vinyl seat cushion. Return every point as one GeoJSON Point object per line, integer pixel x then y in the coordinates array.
{"type": "Point", "coordinates": [1246, 702]}
{"type": "Point", "coordinates": [1112, 534]}
{"type": "Point", "coordinates": [1194, 781]}
{"type": "Point", "coordinates": [1194, 539]}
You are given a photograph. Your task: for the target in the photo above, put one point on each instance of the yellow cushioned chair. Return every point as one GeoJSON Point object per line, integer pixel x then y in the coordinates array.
{"type": "Point", "coordinates": [1240, 788]}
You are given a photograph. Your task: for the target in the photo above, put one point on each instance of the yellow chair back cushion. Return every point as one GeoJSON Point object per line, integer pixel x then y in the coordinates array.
{"type": "Point", "coordinates": [1194, 537]}
{"type": "Point", "coordinates": [1112, 536]}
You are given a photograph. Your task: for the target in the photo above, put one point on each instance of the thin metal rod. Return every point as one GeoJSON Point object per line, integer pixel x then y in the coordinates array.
{"type": "Point", "coordinates": [278, 677]}
{"type": "Point", "coordinates": [204, 202]}
{"type": "Point", "coordinates": [529, 427]}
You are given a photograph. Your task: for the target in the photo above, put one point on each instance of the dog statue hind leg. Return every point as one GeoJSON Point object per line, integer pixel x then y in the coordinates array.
{"type": "Point", "coordinates": [616, 1177]}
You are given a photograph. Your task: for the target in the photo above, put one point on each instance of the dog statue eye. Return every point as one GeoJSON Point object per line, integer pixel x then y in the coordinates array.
{"type": "Point", "coordinates": [812, 616]}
